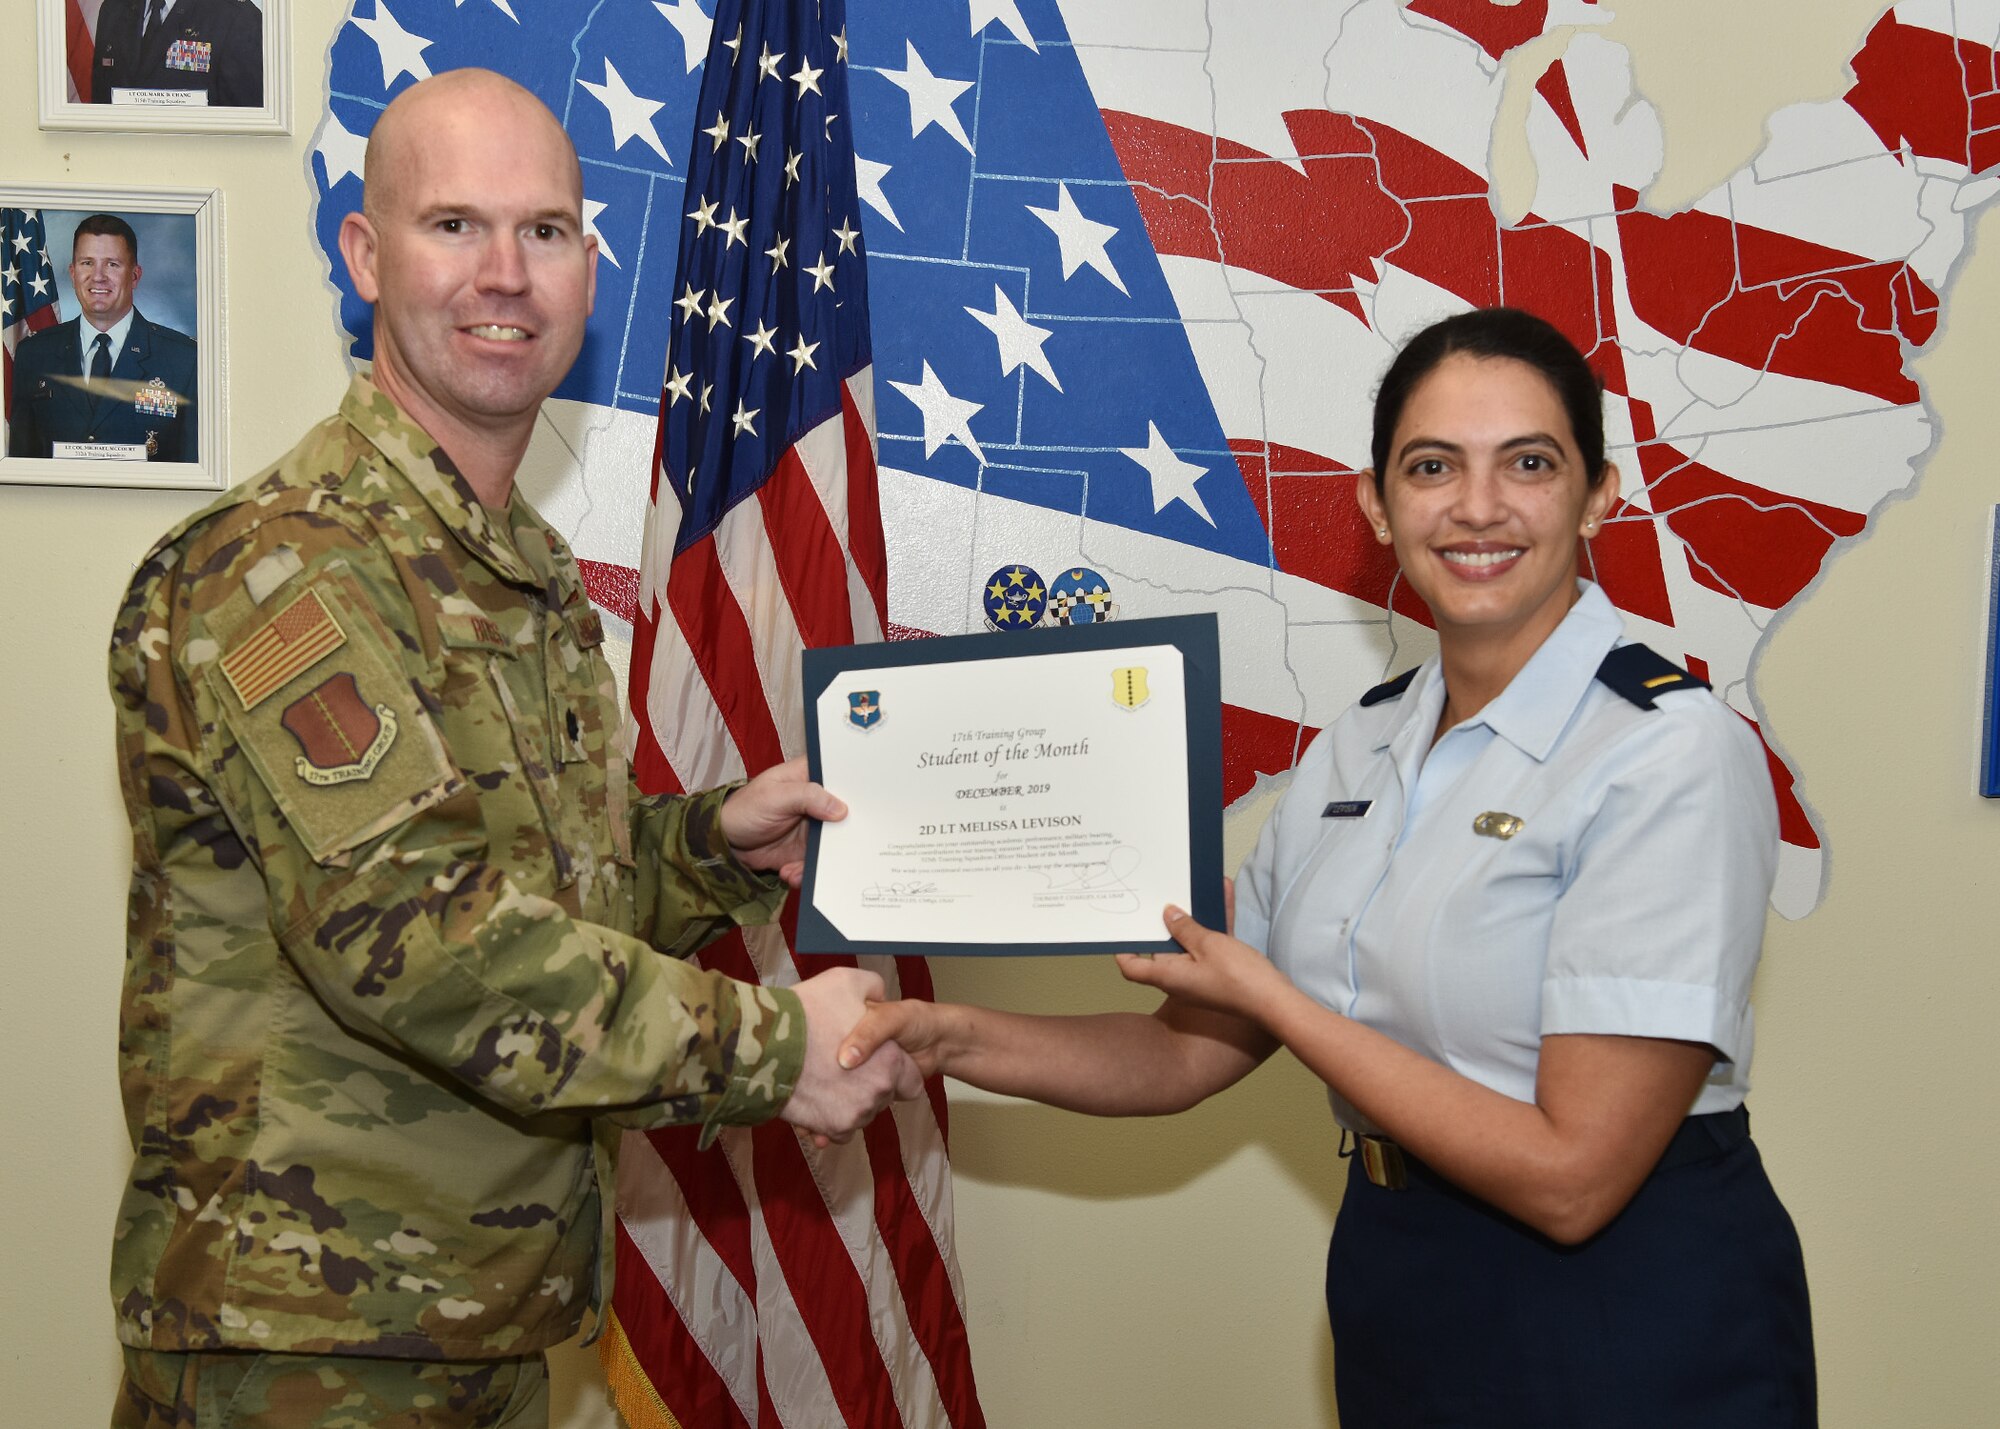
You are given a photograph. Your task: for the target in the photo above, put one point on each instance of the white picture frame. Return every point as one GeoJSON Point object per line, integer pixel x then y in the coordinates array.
{"type": "Point", "coordinates": [154, 211]}
{"type": "Point", "coordinates": [60, 109]}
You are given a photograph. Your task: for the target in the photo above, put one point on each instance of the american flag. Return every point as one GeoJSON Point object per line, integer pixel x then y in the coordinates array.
{"type": "Point", "coordinates": [765, 1282]}
{"type": "Point", "coordinates": [28, 300]}
{"type": "Point", "coordinates": [80, 43]}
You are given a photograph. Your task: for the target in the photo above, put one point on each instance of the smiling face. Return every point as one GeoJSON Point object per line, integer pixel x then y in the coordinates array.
{"type": "Point", "coordinates": [473, 252]}
{"type": "Point", "coordinates": [1484, 498]}
{"type": "Point", "coordinates": [103, 273]}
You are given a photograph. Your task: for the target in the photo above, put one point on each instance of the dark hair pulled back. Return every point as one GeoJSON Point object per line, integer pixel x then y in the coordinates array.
{"type": "Point", "coordinates": [1496, 332]}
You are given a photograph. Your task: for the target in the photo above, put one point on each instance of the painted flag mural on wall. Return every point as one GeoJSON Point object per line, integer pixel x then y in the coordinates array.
{"type": "Point", "coordinates": [1133, 278]}
{"type": "Point", "coordinates": [28, 297]}
{"type": "Point", "coordinates": [1134, 268]}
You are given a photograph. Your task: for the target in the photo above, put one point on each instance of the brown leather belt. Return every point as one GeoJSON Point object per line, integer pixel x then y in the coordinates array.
{"type": "Point", "coordinates": [1387, 1165]}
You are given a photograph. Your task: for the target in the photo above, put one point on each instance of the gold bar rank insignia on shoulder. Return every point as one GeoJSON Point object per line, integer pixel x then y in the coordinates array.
{"type": "Point", "coordinates": [294, 640]}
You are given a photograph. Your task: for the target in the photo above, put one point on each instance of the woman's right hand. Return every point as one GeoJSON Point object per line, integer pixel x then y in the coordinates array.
{"type": "Point", "coordinates": [920, 1028]}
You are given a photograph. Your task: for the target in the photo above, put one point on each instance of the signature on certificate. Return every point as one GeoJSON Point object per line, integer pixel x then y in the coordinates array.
{"type": "Point", "coordinates": [1099, 883]}
{"type": "Point", "coordinates": [896, 892]}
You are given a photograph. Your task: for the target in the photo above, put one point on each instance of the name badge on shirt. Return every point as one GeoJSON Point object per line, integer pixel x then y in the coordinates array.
{"type": "Point", "coordinates": [1348, 809]}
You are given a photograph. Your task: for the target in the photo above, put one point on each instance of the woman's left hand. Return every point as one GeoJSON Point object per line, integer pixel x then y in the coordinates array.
{"type": "Point", "coordinates": [1216, 970]}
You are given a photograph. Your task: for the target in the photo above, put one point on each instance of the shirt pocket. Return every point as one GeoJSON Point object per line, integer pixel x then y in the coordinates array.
{"type": "Point", "coordinates": [498, 720]}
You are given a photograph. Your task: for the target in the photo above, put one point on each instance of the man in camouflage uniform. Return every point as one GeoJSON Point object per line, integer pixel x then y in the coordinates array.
{"type": "Point", "coordinates": [402, 950]}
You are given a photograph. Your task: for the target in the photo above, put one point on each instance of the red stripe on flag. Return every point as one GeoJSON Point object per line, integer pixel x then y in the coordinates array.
{"type": "Point", "coordinates": [706, 611]}
{"type": "Point", "coordinates": [80, 50]}
{"type": "Point", "coordinates": [865, 541]}
{"type": "Point", "coordinates": [661, 1343]}
{"type": "Point", "coordinates": [832, 1301]}
{"type": "Point", "coordinates": [811, 567]}
{"type": "Point", "coordinates": [927, 1294]}
{"type": "Point", "coordinates": [714, 1200]}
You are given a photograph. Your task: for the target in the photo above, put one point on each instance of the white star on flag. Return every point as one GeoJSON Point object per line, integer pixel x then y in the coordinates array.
{"type": "Point", "coordinates": [930, 97]}
{"type": "Point", "coordinates": [631, 115]}
{"type": "Point", "coordinates": [868, 176]}
{"type": "Point", "coordinates": [945, 417]}
{"type": "Point", "coordinates": [1082, 239]}
{"type": "Point", "coordinates": [1008, 13]}
{"type": "Point", "coordinates": [695, 29]}
{"type": "Point", "coordinates": [1020, 340]}
{"type": "Point", "coordinates": [591, 209]}
{"type": "Point", "coordinates": [1172, 478]}
{"type": "Point", "coordinates": [501, 5]}
{"type": "Point", "coordinates": [341, 151]}
{"type": "Point", "coordinates": [402, 52]}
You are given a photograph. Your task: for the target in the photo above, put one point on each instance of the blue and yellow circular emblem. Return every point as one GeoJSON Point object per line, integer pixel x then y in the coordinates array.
{"type": "Point", "coordinates": [1079, 596]}
{"type": "Point", "coordinates": [1015, 598]}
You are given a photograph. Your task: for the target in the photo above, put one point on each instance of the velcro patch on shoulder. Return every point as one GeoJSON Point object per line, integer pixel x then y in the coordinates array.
{"type": "Point", "coordinates": [338, 741]}
{"type": "Point", "coordinates": [281, 649]}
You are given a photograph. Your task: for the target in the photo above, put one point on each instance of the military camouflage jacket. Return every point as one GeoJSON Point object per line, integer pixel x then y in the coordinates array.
{"type": "Point", "coordinates": [394, 974]}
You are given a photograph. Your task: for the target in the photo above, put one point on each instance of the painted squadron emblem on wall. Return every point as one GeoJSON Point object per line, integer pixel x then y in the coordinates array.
{"type": "Point", "coordinates": [1080, 596]}
{"type": "Point", "coordinates": [1015, 598]}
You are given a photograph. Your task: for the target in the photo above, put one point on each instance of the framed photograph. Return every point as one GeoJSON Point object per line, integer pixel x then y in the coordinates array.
{"type": "Point", "coordinates": [178, 66]}
{"type": "Point", "coordinates": [111, 317]}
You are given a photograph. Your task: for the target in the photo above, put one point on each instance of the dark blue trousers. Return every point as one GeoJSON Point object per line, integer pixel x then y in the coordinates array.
{"type": "Point", "coordinates": [1688, 1311]}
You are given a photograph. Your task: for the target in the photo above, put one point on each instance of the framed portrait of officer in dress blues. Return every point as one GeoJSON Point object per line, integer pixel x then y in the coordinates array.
{"type": "Point", "coordinates": [180, 66]}
{"type": "Point", "coordinates": [111, 322]}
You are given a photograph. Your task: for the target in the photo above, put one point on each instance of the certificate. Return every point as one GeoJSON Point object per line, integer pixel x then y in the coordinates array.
{"type": "Point", "coordinates": [1046, 791]}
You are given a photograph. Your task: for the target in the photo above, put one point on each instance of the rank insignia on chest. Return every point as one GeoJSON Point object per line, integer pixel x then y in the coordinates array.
{"type": "Point", "coordinates": [864, 708]}
{"type": "Point", "coordinates": [1495, 825]}
{"type": "Point", "coordinates": [193, 56]}
{"type": "Point", "coordinates": [343, 738]}
{"type": "Point", "coordinates": [156, 399]}
{"type": "Point", "coordinates": [1128, 687]}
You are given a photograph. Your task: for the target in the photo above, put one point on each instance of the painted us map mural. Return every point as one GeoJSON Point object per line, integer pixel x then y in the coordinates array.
{"type": "Point", "coordinates": [1136, 267]}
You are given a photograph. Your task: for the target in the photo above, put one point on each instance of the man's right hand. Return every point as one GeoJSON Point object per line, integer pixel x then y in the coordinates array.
{"type": "Point", "coordinates": [829, 1101]}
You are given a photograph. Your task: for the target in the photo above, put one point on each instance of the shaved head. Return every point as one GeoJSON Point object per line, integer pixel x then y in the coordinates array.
{"type": "Point", "coordinates": [471, 246]}
{"type": "Point", "coordinates": [477, 100]}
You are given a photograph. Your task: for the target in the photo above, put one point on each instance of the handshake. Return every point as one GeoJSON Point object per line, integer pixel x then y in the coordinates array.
{"type": "Point", "coordinates": [852, 1071]}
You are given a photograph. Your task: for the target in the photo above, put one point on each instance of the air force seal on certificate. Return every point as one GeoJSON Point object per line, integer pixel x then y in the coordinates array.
{"type": "Point", "coordinates": [1128, 687]}
{"type": "Point", "coordinates": [864, 708]}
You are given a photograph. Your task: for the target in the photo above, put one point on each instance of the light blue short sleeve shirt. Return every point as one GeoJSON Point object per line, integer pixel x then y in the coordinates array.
{"type": "Point", "coordinates": [1629, 899]}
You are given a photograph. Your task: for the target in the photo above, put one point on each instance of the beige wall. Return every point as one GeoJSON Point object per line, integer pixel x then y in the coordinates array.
{"type": "Point", "coordinates": [1136, 1274]}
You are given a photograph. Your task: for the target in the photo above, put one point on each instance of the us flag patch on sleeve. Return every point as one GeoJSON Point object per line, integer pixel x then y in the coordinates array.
{"type": "Point", "coordinates": [287, 645]}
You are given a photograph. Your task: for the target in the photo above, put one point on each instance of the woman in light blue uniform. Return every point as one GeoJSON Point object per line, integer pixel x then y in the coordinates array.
{"type": "Point", "coordinates": [1509, 910]}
